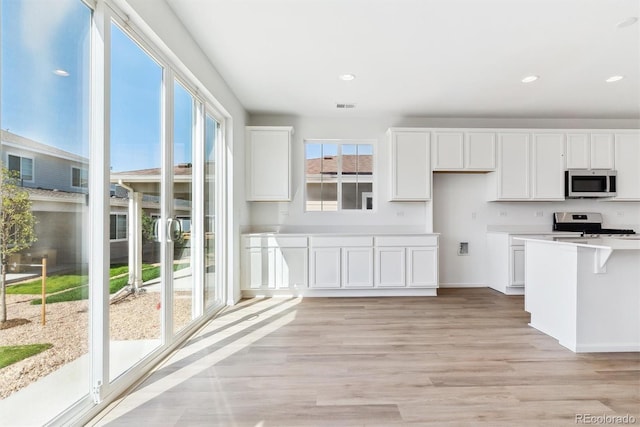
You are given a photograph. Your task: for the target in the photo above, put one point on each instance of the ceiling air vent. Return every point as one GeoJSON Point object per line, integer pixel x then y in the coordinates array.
{"type": "Point", "coordinates": [345, 106]}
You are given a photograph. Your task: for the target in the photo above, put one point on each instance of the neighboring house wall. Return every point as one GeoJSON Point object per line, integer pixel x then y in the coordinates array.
{"type": "Point", "coordinates": [52, 168]}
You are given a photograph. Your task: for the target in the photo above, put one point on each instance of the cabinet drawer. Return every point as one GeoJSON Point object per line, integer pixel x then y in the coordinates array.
{"type": "Point", "coordinates": [275, 241]}
{"type": "Point", "coordinates": [405, 241]}
{"type": "Point", "coordinates": [341, 241]}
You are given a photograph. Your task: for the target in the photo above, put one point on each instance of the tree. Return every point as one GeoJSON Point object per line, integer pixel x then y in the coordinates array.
{"type": "Point", "coordinates": [17, 227]}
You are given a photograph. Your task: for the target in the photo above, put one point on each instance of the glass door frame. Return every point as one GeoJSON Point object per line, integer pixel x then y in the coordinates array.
{"type": "Point", "coordinates": [102, 391]}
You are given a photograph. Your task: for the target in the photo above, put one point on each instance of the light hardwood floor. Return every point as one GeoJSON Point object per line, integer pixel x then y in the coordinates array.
{"type": "Point", "coordinates": [466, 357]}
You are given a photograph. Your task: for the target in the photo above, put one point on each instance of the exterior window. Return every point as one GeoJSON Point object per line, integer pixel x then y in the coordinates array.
{"type": "Point", "coordinates": [118, 227]}
{"type": "Point", "coordinates": [79, 178]}
{"type": "Point", "coordinates": [22, 165]}
{"type": "Point", "coordinates": [338, 176]}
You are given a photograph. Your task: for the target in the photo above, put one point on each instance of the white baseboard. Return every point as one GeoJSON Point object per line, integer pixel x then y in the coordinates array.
{"type": "Point", "coordinates": [463, 285]}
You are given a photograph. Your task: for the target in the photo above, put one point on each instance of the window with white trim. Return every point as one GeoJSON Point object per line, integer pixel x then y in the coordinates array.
{"type": "Point", "coordinates": [118, 226]}
{"type": "Point", "coordinates": [338, 175]}
{"type": "Point", "coordinates": [23, 166]}
{"type": "Point", "coordinates": [79, 177]}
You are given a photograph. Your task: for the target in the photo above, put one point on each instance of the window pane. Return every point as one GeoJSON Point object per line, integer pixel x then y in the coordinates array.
{"type": "Point", "coordinates": [121, 227]}
{"type": "Point", "coordinates": [14, 163]}
{"type": "Point", "coordinates": [45, 80]}
{"type": "Point", "coordinates": [210, 212]}
{"type": "Point", "coordinates": [183, 121]}
{"type": "Point", "coordinates": [136, 147]}
{"type": "Point", "coordinates": [112, 227]}
{"type": "Point", "coordinates": [329, 196]}
{"type": "Point", "coordinates": [27, 169]}
{"type": "Point", "coordinates": [321, 176]}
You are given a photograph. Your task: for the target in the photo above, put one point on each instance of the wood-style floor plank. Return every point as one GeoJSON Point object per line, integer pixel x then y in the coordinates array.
{"type": "Point", "coordinates": [466, 357]}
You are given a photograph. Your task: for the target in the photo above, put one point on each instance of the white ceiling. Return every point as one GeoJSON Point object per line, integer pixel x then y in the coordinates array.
{"type": "Point", "coordinates": [440, 58]}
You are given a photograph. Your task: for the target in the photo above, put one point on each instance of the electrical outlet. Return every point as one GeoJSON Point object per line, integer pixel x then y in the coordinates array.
{"type": "Point", "coordinates": [400, 213]}
{"type": "Point", "coordinates": [539, 213]}
{"type": "Point", "coordinates": [463, 248]}
{"type": "Point", "coordinates": [620, 213]}
{"type": "Point", "coordinates": [474, 215]}
{"type": "Point", "coordinates": [503, 213]}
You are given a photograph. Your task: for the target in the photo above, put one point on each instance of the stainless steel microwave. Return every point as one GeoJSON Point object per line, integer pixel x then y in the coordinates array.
{"type": "Point", "coordinates": [589, 183]}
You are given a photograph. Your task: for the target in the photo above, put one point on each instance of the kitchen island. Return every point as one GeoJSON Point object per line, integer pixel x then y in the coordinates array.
{"type": "Point", "coordinates": [587, 296]}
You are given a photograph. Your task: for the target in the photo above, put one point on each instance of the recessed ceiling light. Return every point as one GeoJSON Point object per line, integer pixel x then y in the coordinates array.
{"type": "Point", "coordinates": [347, 77]}
{"type": "Point", "coordinates": [530, 79]}
{"type": "Point", "coordinates": [614, 79]}
{"type": "Point", "coordinates": [627, 22]}
{"type": "Point", "coordinates": [60, 72]}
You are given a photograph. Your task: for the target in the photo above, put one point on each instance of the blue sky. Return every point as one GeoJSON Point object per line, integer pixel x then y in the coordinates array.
{"type": "Point", "coordinates": [41, 36]}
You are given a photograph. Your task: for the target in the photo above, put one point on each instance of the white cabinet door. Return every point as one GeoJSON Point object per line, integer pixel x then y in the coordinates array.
{"type": "Point", "coordinates": [410, 166]}
{"type": "Point", "coordinates": [601, 151]}
{"type": "Point", "coordinates": [513, 166]}
{"type": "Point", "coordinates": [268, 163]}
{"type": "Point", "coordinates": [325, 268]}
{"type": "Point", "coordinates": [260, 270]}
{"type": "Point", "coordinates": [448, 150]}
{"type": "Point", "coordinates": [578, 151]}
{"type": "Point", "coordinates": [390, 267]}
{"type": "Point", "coordinates": [480, 151]}
{"type": "Point", "coordinates": [291, 268]}
{"type": "Point", "coordinates": [517, 266]}
{"type": "Point", "coordinates": [627, 162]}
{"type": "Point", "coordinates": [548, 166]}
{"type": "Point", "coordinates": [357, 267]}
{"type": "Point", "coordinates": [422, 267]}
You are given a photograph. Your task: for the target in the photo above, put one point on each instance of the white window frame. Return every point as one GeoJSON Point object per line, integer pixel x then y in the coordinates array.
{"type": "Point", "coordinates": [126, 230]}
{"type": "Point", "coordinates": [33, 166]}
{"type": "Point", "coordinates": [86, 170]}
{"type": "Point", "coordinates": [340, 143]}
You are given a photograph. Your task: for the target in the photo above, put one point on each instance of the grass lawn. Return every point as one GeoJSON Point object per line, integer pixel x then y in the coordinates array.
{"type": "Point", "coordinates": [60, 282]}
{"type": "Point", "coordinates": [15, 353]}
{"type": "Point", "coordinates": [149, 272]}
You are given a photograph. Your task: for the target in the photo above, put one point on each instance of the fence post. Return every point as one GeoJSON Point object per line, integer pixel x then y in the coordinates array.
{"type": "Point", "coordinates": [44, 290]}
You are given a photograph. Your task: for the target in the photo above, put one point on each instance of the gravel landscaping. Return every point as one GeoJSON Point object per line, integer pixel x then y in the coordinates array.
{"type": "Point", "coordinates": [137, 317]}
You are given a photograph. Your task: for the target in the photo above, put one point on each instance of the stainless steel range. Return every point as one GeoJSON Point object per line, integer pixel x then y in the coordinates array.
{"type": "Point", "coordinates": [587, 223]}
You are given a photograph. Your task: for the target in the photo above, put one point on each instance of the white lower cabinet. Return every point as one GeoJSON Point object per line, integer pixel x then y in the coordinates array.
{"type": "Point", "coordinates": [275, 263]}
{"type": "Point", "coordinates": [356, 263]}
{"type": "Point", "coordinates": [422, 267]}
{"type": "Point", "coordinates": [407, 261]}
{"type": "Point", "coordinates": [325, 268]}
{"type": "Point", "coordinates": [357, 267]}
{"type": "Point", "coordinates": [390, 267]}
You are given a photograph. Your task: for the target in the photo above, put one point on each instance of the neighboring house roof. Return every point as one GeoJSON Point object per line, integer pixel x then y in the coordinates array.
{"type": "Point", "coordinates": [351, 164]}
{"type": "Point", "coordinates": [40, 194]}
{"type": "Point", "coordinates": [181, 172]}
{"type": "Point", "coordinates": [20, 142]}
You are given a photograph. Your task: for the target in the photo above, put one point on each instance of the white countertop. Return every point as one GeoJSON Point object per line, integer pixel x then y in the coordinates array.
{"type": "Point", "coordinates": [610, 243]}
{"type": "Point", "coordinates": [529, 230]}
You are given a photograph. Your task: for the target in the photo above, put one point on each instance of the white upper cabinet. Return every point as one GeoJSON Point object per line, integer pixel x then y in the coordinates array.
{"type": "Point", "coordinates": [627, 163]}
{"type": "Point", "coordinates": [410, 165]}
{"type": "Point", "coordinates": [548, 166]}
{"type": "Point", "coordinates": [590, 150]}
{"type": "Point", "coordinates": [464, 151]}
{"type": "Point", "coordinates": [514, 162]}
{"type": "Point", "coordinates": [480, 151]}
{"type": "Point", "coordinates": [530, 167]}
{"type": "Point", "coordinates": [601, 151]}
{"type": "Point", "coordinates": [268, 163]}
{"type": "Point", "coordinates": [448, 150]}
